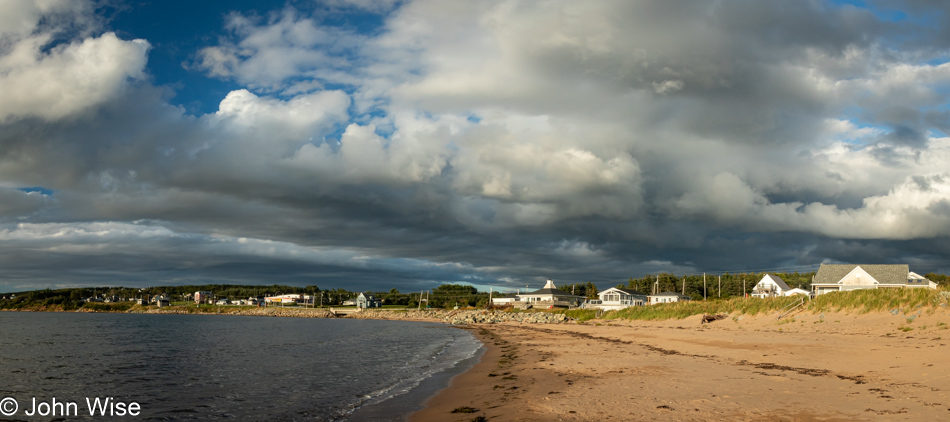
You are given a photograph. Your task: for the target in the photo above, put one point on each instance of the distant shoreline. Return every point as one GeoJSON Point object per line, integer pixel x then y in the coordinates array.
{"type": "Point", "coordinates": [456, 317]}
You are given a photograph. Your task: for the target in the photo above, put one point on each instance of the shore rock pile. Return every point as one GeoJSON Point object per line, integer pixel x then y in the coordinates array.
{"type": "Point", "coordinates": [272, 312]}
{"type": "Point", "coordinates": [436, 315]}
{"type": "Point", "coordinates": [466, 317]}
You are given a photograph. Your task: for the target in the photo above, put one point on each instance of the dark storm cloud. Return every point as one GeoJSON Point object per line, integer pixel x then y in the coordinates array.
{"type": "Point", "coordinates": [495, 143]}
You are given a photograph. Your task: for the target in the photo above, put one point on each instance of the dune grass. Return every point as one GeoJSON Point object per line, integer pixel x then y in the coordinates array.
{"type": "Point", "coordinates": [861, 301]}
{"type": "Point", "coordinates": [864, 301]}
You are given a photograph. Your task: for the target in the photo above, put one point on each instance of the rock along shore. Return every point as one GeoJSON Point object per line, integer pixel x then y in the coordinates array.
{"type": "Point", "coordinates": [435, 315]}
{"type": "Point", "coordinates": [465, 316]}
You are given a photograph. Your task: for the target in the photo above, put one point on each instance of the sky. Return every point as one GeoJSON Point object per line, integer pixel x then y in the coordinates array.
{"type": "Point", "coordinates": [378, 144]}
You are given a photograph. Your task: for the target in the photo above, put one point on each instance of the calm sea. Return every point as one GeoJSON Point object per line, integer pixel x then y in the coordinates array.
{"type": "Point", "coordinates": [208, 367]}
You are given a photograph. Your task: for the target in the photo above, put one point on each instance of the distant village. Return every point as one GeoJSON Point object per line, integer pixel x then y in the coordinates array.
{"type": "Point", "coordinates": [828, 278]}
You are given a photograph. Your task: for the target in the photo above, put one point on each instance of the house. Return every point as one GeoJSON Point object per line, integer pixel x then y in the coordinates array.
{"type": "Point", "coordinates": [797, 291]}
{"type": "Point", "coordinates": [503, 301]}
{"type": "Point", "coordinates": [286, 299]}
{"type": "Point", "coordinates": [349, 302]}
{"type": "Point", "coordinates": [162, 303]}
{"type": "Point", "coordinates": [667, 297]}
{"type": "Point", "coordinates": [549, 296]}
{"type": "Point", "coordinates": [367, 300]}
{"type": "Point", "coordinates": [770, 286]}
{"type": "Point", "coordinates": [203, 296]}
{"type": "Point", "coordinates": [835, 278]}
{"type": "Point", "coordinates": [616, 298]}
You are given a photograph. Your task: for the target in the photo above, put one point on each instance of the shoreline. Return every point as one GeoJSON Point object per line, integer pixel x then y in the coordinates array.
{"type": "Point", "coordinates": [400, 408]}
{"type": "Point", "coordinates": [827, 367]}
{"type": "Point", "coordinates": [454, 395]}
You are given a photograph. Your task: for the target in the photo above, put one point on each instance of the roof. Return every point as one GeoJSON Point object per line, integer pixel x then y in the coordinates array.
{"type": "Point", "coordinates": [671, 294]}
{"type": "Point", "coordinates": [554, 292]}
{"type": "Point", "coordinates": [368, 295]}
{"type": "Point", "coordinates": [778, 281]}
{"type": "Point", "coordinates": [627, 291]}
{"type": "Point", "coordinates": [884, 274]}
{"type": "Point", "coordinates": [549, 289]}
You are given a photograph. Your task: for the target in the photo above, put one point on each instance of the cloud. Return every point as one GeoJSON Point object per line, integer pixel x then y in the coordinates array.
{"type": "Point", "coordinates": [18, 204]}
{"type": "Point", "coordinates": [495, 142]}
{"type": "Point", "coordinates": [40, 78]}
{"type": "Point", "coordinates": [107, 244]}
{"type": "Point", "coordinates": [274, 56]}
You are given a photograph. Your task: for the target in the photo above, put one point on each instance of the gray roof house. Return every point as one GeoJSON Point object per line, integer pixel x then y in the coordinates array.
{"type": "Point", "coordinates": [834, 278]}
{"type": "Point", "coordinates": [367, 300]}
{"type": "Point", "coordinates": [770, 286]}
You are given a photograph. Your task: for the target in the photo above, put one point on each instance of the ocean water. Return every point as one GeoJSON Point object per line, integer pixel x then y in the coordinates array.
{"type": "Point", "coordinates": [209, 367]}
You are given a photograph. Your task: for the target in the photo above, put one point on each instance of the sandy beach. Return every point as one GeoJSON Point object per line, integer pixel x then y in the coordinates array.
{"type": "Point", "coordinates": [825, 367]}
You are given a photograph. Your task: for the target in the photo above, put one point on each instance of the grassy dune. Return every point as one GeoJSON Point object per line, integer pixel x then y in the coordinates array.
{"type": "Point", "coordinates": [861, 301]}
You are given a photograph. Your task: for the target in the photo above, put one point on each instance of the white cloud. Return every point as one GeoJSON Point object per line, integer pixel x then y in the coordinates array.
{"type": "Point", "coordinates": [51, 83]}
{"type": "Point", "coordinates": [272, 56]}
{"type": "Point", "coordinates": [271, 119]}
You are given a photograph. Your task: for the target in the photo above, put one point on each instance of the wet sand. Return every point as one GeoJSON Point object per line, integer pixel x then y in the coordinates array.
{"type": "Point", "coordinates": [828, 367]}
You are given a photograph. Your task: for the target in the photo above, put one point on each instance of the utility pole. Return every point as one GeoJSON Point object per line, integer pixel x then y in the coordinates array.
{"type": "Point", "coordinates": [720, 286]}
{"type": "Point", "coordinates": [743, 288]}
{"type": "Point", "coordinates": [684, 285]}
{"type": "Point", "coordinates": [704, 286]}
{"type": "Point", "coordinates": [420, 300]}
{"type": "Point", "coordinates": [490, 291]}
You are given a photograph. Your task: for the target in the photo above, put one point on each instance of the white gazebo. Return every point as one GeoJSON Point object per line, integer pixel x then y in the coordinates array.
{"type": "Point", "coordinates": [550, 296]}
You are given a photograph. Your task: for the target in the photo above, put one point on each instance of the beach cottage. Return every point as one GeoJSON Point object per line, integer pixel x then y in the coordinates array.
{"type": "Point", "coordinates": [616, 298]}
{"type": "Point", "coordinates": [835, 278]}
{"type": "Point", "coordinates": [770, 286]}
{"type": "Point", "coordinates": [367, 300]}
{"type": "Point", "coordinates": [667, 297]}
{"type": "Point", "coordinates": [549, 297]}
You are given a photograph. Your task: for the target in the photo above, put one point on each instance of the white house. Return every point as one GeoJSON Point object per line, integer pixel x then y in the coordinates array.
{"type": "Point", "coordinates": [770, 286]}
{"type": "Point", "coordinates": [616, 298]}
{"type": "Point", "coordinates": [667, 297]}
{"type": "Point", "coordinates": [550, 296]}
{"type": "Point", "coordinates": [834, 278]}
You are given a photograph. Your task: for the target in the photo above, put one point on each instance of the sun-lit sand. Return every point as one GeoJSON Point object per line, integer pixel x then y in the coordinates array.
{"type": "Point", "coordinates": [831, 367]}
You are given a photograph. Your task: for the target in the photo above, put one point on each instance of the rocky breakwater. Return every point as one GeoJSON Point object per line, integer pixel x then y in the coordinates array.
{"type": "Point", "coordinates": [269, 311]}
{"type": "Point", "coordinates": [466, 316]}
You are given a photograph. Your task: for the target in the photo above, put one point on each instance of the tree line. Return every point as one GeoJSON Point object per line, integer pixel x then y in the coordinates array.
{"type": "Point", "coordinates": [443, 296]}
{"type": "Point", "coordinates": [715, 286]}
